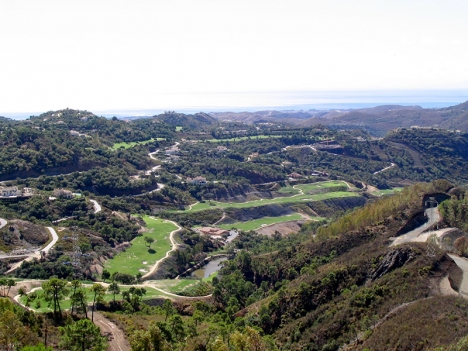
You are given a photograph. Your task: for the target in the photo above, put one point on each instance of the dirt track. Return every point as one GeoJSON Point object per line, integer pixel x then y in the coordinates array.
{"type": "Point", "coordinates": [116, 337]}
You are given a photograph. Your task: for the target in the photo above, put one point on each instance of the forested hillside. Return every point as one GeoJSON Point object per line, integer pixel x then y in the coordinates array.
{"type": "Point", "coordinates": [264, 236]}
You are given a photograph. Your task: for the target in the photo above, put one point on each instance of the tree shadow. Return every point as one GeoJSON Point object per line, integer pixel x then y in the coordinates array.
{"type": "Point", "coordinates": [151, 251]}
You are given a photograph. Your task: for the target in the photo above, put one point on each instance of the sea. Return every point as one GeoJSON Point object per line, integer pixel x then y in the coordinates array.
{"type": "Point", "coordinates": [274, 100]}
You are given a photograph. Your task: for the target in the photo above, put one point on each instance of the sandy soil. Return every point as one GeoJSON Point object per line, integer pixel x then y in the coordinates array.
{"type": "Point", "coordinates": [284, 228]}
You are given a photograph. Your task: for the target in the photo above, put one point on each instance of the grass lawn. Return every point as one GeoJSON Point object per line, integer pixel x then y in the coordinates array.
{"type": "Point", "coordinates": [387, 191]}
{"type": "Point", "coordinates": [138, 256]}
{"type": "Point", "coordinates": [321, 185]}
{"type": "Point", "coordinates": [279, 200]}
{"type": "Point", "coordinates": [258, 223]}
{"type": "Point", "coordinates": [174, 285]}
{"type": "Point", "coordinates": [65, 304]}
{"type": "Point", "coordinates": [244, 138]}
{"type": "Point", "coordinates": [210, 278]}
{"type": "Point", "coordinates": [178, 128]}
{"type": "Point", "coordinates": [133, 143]}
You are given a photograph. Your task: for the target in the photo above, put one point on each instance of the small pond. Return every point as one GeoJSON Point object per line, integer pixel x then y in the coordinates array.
{"type": "Point", "coordinates": [209, 268]}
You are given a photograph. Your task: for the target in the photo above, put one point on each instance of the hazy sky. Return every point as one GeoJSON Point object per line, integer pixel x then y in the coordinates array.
{"type": "Point", "coordinates": [140, 54]}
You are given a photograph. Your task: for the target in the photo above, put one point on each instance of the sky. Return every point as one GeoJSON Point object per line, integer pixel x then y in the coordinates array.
{"type": "Point", "coordinates": [152, 54]}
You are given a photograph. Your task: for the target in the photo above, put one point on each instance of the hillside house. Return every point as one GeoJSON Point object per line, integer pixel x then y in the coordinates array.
{"type": "Point", "coordinates": [28, 191]}
{"type": "Point", "coordinates": [11, 191]}
{"type": "Point", "coordinates": [197, 180]}
{"type": "Point", "coordinates": [63, 193]}
{"type": "Point", "coordinates": [319, 173]}
{"type": "Point", "coordinates": [213, 231]}
{"type": "Point", "coordinates": [172, 159]}
{"type": "Point", "coordinates": [172, 151]}
{"type": "Point", "coordinates": [294, 175]}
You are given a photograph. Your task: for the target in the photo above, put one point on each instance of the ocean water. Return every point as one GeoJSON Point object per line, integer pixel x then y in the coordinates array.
{"type": "Point", "coordinates": [287, 100]}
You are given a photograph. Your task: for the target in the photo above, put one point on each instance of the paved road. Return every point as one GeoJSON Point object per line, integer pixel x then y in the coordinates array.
{"type": "Point", "coordinates": [97, 207]}
{"type": "Point", "coordinates": [151, 154]}
{"type": "Point", "coordinates": [463, 264]}
{"type": "Point", "coordinates": [384, 169]}
{"type": "Point", "coordinates": [160, 186]}
{"type": "Point", "coordinates": [37, 254]}
{"type": "Point", "coordinates": [417, 236]}
{"type": "Point", "coordinates": [54, 240]}
{"type": "Point", "coordinates": [433, 217]}
{"type": "Point", "coordinates": [2, 223]}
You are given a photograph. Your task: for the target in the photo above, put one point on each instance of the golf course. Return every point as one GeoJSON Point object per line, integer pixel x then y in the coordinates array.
{"type": "Point", "coordinates": [140, 257]}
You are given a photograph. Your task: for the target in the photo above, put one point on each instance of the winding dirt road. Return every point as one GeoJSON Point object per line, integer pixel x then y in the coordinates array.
{"type": "Point", "coordinates": [116, 337]}
{"type": "Point", "coordinates": [37, 254]}
{"type": "Point", "coordinates": [463, 264]}
{"type": "Point", "coordinates": [417, 235]}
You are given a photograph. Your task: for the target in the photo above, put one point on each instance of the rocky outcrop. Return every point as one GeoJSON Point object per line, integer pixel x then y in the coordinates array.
{"type": "Point", "coordinates": [394, 259]}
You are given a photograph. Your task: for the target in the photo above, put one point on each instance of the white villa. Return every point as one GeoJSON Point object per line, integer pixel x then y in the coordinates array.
{"type": "Point", "coordinates": [11, 191]}
{"type": "Point", "coordinates": [197, 180]}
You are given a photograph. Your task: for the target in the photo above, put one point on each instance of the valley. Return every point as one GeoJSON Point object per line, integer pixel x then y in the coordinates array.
{"type": "Point", "coordinates": [324, 235]}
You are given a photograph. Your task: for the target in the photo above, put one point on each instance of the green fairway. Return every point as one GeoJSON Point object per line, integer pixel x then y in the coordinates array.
{"type": "Point", "coordinates": [321, 185]}
{"type": "Point", "coordinates": [298, 197]}
{"type": "Point", "coordinates": [138, 257]}
{"type": "Point", "coordinates": [244, 138]}
{"type": "Point", "coordinates": [209, 279]}
{"type": "Point", "coordinates": [174, 285]}
{"type": "Point", "coordinates": [258, 223]}
{"type": "Point", "coordinates": [65, 304]}
{"type": "Point", "coordinates": [133, 143]}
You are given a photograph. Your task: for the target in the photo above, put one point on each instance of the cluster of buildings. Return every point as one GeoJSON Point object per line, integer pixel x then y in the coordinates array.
{"type": "Point", "coordinates": [220, 235]}
{"type": "Point", "coordinates": [12, 192]}
{"type": "Point", "coordinates": [172, 154]}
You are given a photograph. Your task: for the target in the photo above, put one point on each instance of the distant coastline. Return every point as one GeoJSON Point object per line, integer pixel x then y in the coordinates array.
{"type": "Point", "coordinates": [291, 100]}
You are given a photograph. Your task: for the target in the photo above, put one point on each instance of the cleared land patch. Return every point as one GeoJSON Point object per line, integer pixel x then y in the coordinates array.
{"type": "Point", "coordinates": [140, 258]}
